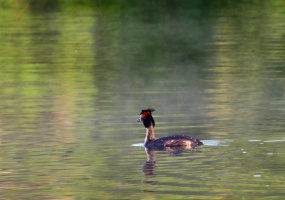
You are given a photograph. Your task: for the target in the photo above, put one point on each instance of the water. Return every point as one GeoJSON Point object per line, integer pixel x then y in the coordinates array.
{"type": "Point", "coordinates": [73, 81]}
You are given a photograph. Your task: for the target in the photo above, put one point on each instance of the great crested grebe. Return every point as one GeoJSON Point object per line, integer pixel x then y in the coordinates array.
{"type": "Point", "coordinates": [172, 141]}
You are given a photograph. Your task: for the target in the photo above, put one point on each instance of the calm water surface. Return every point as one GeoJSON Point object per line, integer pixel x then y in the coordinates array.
{"type": "Point", "coordinates": [73, 83]}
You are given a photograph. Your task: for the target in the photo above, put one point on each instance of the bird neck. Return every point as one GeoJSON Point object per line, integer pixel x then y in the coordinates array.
{"type": "Point", "coordinates": [150, 136]}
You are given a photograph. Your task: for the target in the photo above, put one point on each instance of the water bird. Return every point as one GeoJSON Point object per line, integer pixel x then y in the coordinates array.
{"type": "Point", "coordinates": [164, 143]}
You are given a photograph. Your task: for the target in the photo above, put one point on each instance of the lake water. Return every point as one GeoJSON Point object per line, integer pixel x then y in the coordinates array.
{"type": "Point", "coordinates": [73, 81]}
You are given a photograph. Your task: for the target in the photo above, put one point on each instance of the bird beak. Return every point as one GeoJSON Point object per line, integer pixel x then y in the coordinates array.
{"type": "Point", "coordinates": [138, 119]}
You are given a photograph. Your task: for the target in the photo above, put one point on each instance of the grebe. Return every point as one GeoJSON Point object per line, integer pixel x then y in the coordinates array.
{"type": "Point", "coordinates": [172, 141]}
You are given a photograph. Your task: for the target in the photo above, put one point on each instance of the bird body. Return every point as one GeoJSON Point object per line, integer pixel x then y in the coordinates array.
{"type": "Point", "coordinates": [172, 141]}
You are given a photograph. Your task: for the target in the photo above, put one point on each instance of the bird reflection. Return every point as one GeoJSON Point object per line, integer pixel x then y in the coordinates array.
{"type": "Point", "coordinates": [149, 166]}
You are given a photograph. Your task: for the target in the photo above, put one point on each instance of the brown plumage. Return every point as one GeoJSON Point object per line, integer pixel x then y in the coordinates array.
{"type": "Point", "coordinates": [180, 141]}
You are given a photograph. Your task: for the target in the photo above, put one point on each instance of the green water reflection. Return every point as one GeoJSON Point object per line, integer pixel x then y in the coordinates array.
{"type": "Point", "coordinates": [75, 77]}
